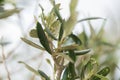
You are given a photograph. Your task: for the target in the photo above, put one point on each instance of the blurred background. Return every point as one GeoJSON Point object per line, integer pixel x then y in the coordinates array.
{"type": "Point", "coordinates": [21, 20]}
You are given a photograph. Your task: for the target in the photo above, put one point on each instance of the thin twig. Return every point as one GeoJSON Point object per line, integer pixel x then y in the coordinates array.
{"type": "Point", "coordinates": [4, 62]}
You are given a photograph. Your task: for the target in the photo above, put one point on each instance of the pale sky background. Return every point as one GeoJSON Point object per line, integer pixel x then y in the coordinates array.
{"type": "Point", "coordinates": [12, 28]}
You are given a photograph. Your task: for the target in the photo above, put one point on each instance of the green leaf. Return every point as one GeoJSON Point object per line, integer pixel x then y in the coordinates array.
{"type": "Point", "coordinates": [33, 33]}
{"type": "Point", "coordinates": [7, 13]}
{"type": "Point", "coordinates": [82, 52]}
{"type": "Point", "coordinates": [57, 13]}
{"type": "Point", "coordinates": [72, 73]}
{"type": "Point", "coordinates": [69, 73]}
{"type": "Point", "coordinates": [90, 18]}
{"type": "Point", "coordinates": [50, 33]}
{"type": "Point", "coordinates": [92, 31]}
{"type": "Point", "coordinates": [84, 38]}
{"type": "Point", "coordinates": [29, 68]}
{"type": "Point", "coordinates": [73, 5]}
{"type": "Point", "coordinates": [100, 33]}
{"type": "Point", "coordinates": [67, 48]}
{"type": "Point", "coordinates": [42, 37]}
{"type": "Point", "coordinates": [72, 55]}
{"type": "Point", "coordinates": [76, 39]}
{"type": "Point", "coordinates": [66, 57]}
{"type": "Point", "coordinates": [61, 32]}
{"type": "Point", "coordinates": [104, 72]}
{"type": "Point", "coordinates": [106, 44]}
{"type": "Point", "coordinates": [43, 75]}
{"type": "Point", "coordinates": [65, 74]}
{"type": "Point", "coordinates": [70, 24]}
{"type": "Point", "coordinates": [32, 43]}
{"type": "Point", "coordinates": [101, 77]}
{"type": "Point", "coordinates": [60, 19]}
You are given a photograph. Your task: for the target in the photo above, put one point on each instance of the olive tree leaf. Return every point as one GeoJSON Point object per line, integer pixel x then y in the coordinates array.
{"type": "Point", "coordinates": [66, 57]}
{"type": "Point", "coordinates": [72, 72]}
{"type": "Point", "coordinates": [61, 20]}
{"type": "Point", "coordinates": [100, 33]}
{"type": "Point", "coordinates": [61, 32]}
{"type": "Point", "coordinates": [7, 13]}
{"type": "Point", "coordinates": [82, 52]}
{"type": "Point", "coordinates": [43, 75]}
{"type": "Point", "coordinates": [76, 39]}
{"type": "Point", "coordinates": [104, 72]}
{"type": "Point", "coordinates": [72, 20]}
{"type": "Point", "coordinates": [65, 74]}
{"type": "Point", "coordinates": [42, 37]}
{"type": "Point", "coordinates": [72, 55]}
{"type": "Point", "coordinates": [73, 5]}
{"type": "Point", "coordinates": [92, 31]}
{"type": "Point", "coordinates": [67, 48]}
{"type": "Point", "coordinates": [29, 68]}
{"type": "Point", "coordinates": [32, 43]}
{"type": "Point", "coordinates": [50, 33]}
{"type": "Point", "coordinates": [90, 18]}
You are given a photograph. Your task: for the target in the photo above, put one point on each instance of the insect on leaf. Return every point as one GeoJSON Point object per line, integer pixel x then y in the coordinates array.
{"type": "Point", "coordinates": [42, 37]}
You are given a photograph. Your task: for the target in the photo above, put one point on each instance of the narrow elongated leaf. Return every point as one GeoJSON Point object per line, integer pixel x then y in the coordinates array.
{"type": "Point", "coordinates": [92, 31]}
{"type": "Point", "coordinates": [72, 55]}
{"type": "Point", "coordinates": [76, 39]}
{"type": "Point", "coordinates": [32, 43]}
{"type": "Point", "coordinates": [7, 13]}
{"type": "Point", "coordinates": [106, 44]}
{"type": "Point", "coordinates": [42, 37]}
{"type": "Point", "coordinates": [73, 5]}
{"type": "Point", "coordinates": [61, 20]}
{"type": "Point", "coordinates": [50, 33]}
{"type": "Point", "coordinates": [82, 52]}
{"type": "Point", "coordinates": [58, 13]}
{"type": "Point", "coordinates": [61, 32]}
{"type": "Point", "coordinates": [43, 75]}
{"type": "Point", "coordinates": [65, 74]}
{"type": "Point", "coordinates": [100, 33]}
{"type": "Point", "coordinates": [101, 77]}
{"type": "Point", "coordinates": [67, 48]}
{"type": "Point", "coordinates": [29, 68]}
{"type": "Point", "coordinates": [90, 18]}
{"type": "Point", "coordinates": [72, 73]}
{"type": "Point", "coordinates": [66, 57]}
{"type": "Point", "coordinates": [104, 72]}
